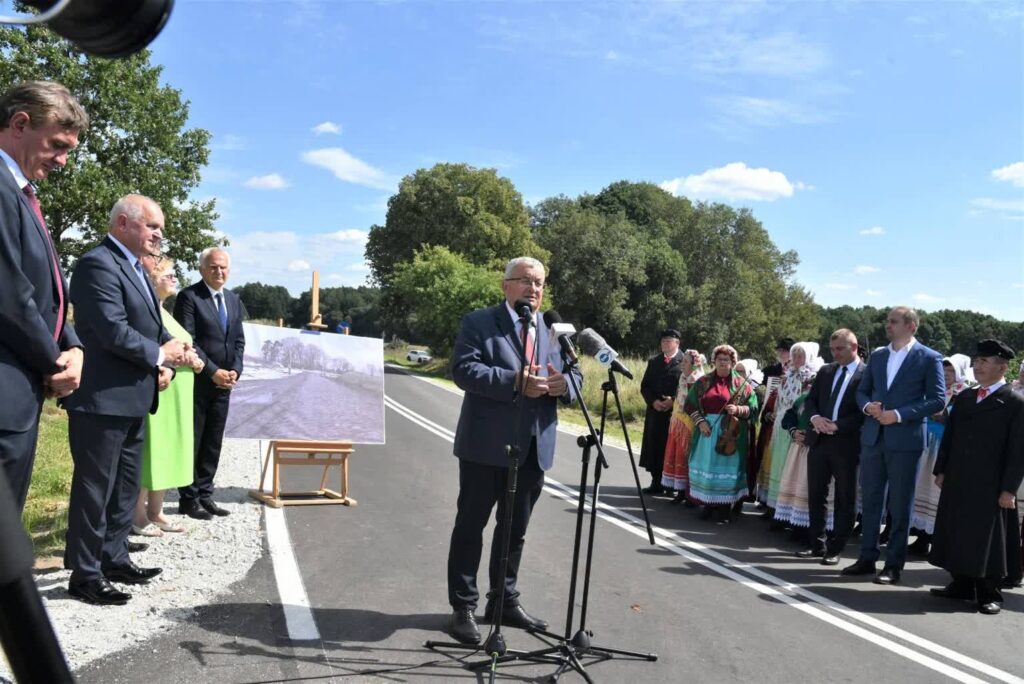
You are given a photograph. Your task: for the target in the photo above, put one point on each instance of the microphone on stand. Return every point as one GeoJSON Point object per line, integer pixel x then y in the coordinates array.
{"type": "Point", "coordinates": [560, 333]}
{"type": "Point", "coordinates": [594, 345]}
{"type": "Point", "coordinates": [524, 308]}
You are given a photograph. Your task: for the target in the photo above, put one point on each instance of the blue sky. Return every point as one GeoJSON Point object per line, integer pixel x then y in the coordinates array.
{"type": "Point", "coordinates": [882, 141]}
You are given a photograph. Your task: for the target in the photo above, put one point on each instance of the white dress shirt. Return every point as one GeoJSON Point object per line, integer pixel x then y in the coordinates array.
{"type": "Point", "coordinates": [992, 389]}
{"type": "Point", "coordinates": [851, 368]}
{"type": "Point", "coordinates": [896, 359]}
{"type": "Point", "coordinates": [12, 166]}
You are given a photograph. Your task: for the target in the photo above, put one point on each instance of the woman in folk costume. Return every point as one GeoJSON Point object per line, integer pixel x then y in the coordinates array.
{"type": "Point", "coordinates": [959, 377]}
{"type": "Point", "coordinates": [717, 402]}
{"type": "Point", "coordinates": [748, 368]}
{"type": "Point", "coordinates": [675, 472]}
{"type": "Point", "coordinates": [804, 365]}
{"type": "Point", "coordinates": [792, 506]}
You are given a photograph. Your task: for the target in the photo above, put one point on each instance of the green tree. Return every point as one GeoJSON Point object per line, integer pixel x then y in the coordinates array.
{"type": "Point", "coordinates": [137, 142]}
{"type": "Point", "coordinates": [473, 212]}
{"type": "Point", "coordinates": [265, 302]}
{"type": "Point", "coordinates": [440, 288]}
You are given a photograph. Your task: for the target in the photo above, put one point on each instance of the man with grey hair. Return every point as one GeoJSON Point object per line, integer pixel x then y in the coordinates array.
{"type": "Point", "coordinates": [130, 358]}
{"type": "Point", "coordinates": [40, 353]}
{"type": "Point", "coordinates": [486, 364]}
{"type": "Point", "coordinates": [213, 316]}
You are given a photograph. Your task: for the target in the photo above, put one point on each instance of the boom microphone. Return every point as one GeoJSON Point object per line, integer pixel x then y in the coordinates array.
{"type": "Point", "coordinates": [523, 308]}
{"type": "Point", "coordinates": [560, 333]}
{"type": "Point", "coordinates": [594, 345]}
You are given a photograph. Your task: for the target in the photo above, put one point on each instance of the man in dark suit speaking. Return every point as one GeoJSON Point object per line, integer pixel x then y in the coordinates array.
{"type": "Point", "coordinates": [40, 353]}
{"type": "Point", "coordinates": [212, 315]}
{"type": "Point", "coordinates": [902, 385]}
{"type": "Point", "coordinates": [833, 447]}
{"type": "Point", "coordinates": [486, 365]}
{"type": "Point", "coordinates": [129, 359]}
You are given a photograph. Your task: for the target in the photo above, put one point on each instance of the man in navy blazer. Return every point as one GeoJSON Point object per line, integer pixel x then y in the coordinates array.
{"type": "Point", "coordinates": [40, 354]}
{"type": "Point", "coordinates": [486, 364]}
{"type": "Point", "coordinates": [129, 359]}
{"type": "Point", "coordinates": [903, 385]}
{"type": "Point", "coordinates": [212, 315]}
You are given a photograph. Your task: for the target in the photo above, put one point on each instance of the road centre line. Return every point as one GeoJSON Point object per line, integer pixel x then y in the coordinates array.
{"type": "Point", "coordinates": [730, 568]}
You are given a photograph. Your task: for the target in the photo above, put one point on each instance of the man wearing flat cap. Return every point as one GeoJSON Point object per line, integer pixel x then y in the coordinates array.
{"type": "Point", "coordinates": [979, 468]}
{"type": "Point", "coordinates": [658, 388]}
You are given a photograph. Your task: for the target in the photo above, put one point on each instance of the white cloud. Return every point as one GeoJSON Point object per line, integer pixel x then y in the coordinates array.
{"type": "Point", "coordinates": [783, 54]}
{"type": "Point", "coordinates": [611, 55]}
{"type": "Point", "coordinates": [1015, 206]}
{"type": "Point", "coordinates": [347, 168]}
{"type": "Point", "coordinates": [361, 266]}
{"type": "Point", "coordinates": [1018, 285]}
{"type": "Point", "coordinates": [923, 298]}
{"type": "Point", "coordinates": [272, 181]}
{"type": "Point", "coordinates": [1013, 173]}
{"type": "Point", "coordinates": [865, 270]}
{"type": "Point", "coordinates": [837, 286]}
{"type": "Point", "coordinates": [351, 235]}
{"type": "Point", "coordinates": [765, 112]}
{"type": "Point", "coordinates": [872, 293]}
{"type": "Point", "coordinates": [873, 230]}
{"type": "Point", "coordinates": [735, 181]}
{"type": "Point", "coordinates": [296, 265]}
{"type": "Point", "coordinates": [327, 128]}
{"type": "Point", "coordinates": [228, 143]}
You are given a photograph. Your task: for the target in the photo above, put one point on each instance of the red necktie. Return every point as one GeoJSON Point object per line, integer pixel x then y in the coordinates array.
{"type": "Point", "coordinates": [33, 202]}
{"type": "Point", "coordinates": [528, 344]}
{"type": "Point", "coordinates": [982, 393]}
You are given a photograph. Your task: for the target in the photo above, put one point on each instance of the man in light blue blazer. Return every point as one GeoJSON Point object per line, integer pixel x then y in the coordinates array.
{"type": "Point", "coordinates": [486, 364]}
{"type": "Point", "coordinates": [902, 385]}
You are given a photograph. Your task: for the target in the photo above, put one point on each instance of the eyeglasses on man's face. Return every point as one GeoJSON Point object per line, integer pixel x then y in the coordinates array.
{"type": "Point", "coordinates": [527, 282]}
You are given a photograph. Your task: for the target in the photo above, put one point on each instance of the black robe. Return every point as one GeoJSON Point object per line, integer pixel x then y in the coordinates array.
{"type": "Point", "coordinates": [981, 455]}
{"type": "Point", "coordinates": [660, 380]}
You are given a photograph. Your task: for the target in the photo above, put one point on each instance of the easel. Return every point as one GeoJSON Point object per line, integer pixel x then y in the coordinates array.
{"type": "Point", "coordinates": [279, 452]}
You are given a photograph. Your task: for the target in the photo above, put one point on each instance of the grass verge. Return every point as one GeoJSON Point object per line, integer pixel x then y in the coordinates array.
{"type": "Point", "coordinates": [46, 511]}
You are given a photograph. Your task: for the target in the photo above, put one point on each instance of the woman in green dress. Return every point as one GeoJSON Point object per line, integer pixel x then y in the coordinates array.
{"type": "Point", "coordinates": [167, 455]}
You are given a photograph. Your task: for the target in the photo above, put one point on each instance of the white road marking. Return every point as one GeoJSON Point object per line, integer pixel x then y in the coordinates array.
{"type": "Point", "coordinates": [783, 591]}
{"type": "Point", "coordinates": [298, 616]}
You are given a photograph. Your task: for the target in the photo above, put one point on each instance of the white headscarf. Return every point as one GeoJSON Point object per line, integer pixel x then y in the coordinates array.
{"type": "Point", "coordinates": [963, 374]}
{"type": "Point", "coordinates": [810, 350]}
{"type": "Point", "coordinates": [751, 371]}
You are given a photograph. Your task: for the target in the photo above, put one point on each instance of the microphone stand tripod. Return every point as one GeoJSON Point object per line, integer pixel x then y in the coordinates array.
{"type": "Point", "coordinates": [495, 644]}
{"type": "Point", "coordinates": [569, 649]}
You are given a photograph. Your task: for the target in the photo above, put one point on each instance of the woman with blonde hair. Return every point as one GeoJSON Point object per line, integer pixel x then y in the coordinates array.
{"type": "Point", "coordinates": [721, 405]}
{"type": "Point", "coordinates": [167, 455]}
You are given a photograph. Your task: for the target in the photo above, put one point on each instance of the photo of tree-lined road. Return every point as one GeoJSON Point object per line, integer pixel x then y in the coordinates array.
{"type": "Point", "coordinates": [308, 385]}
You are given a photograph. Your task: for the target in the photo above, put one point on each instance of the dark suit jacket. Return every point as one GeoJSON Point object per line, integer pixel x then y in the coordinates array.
{"type": "Point", "coordinates": [485, 362]}
{"type": "Point", "coordinates": [850, 417]}
{"type": "Point", "coordinates": [28, 309]}
{"type": "Point", "coordinates": [917, 391]}
{"type": "Point", "coordinates": [118, 319]}
{"type": "Point", "coordinates": [196, 310]}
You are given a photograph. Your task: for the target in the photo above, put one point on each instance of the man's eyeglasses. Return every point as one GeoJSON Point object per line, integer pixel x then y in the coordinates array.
{"type": "Point", "coordinates": [525, 282]}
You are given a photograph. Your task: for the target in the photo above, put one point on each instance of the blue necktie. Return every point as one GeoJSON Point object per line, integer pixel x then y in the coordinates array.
{"type": "Point", "coordinates": [142, 277]}
{"type": "Point", "coordinates": [222, 312]}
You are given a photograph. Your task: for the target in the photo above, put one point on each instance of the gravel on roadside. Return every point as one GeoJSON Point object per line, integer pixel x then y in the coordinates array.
{"type": "Point", "coordinates": [198, 565]}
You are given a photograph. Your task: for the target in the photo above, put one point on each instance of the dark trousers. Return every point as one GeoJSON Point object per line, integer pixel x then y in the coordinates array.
{"type": "Point", "coordinates": [209, 416]}
{"type": "Point", "coordinates": [17, 455]}
{"type": "Point", "coordinates": [107, 453]}
{"type": "Point", "coordinates": [828, 459]}
{"type": "Point", "coordinates": [480, 487]}
{"type": "Point", "coordinates": [880, 468]}
{"type": "Point", "coordinates": [982, 589]}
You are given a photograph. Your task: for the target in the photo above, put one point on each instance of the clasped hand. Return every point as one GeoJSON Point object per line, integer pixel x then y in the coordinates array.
{"type": "Point", "coordinates": [66, 381]}
{"type": "Point", "coordinates": [178, 353]}
{"type": "Point", "coordinates": [534, 386]}
{"type": "Point", "coordinates": [875, 410]}
{"type": "Point", "coordinates": [824, 426]}
{"type": "Point", "coordinates": [225, 379]}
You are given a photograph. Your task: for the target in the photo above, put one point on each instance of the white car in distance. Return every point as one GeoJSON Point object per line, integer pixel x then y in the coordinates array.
{"type": "Point", "coordinates": [418, 356]}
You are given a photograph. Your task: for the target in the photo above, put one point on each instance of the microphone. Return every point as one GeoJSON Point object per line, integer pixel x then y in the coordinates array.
{"type": "Point", "coordinates": [594, 345]}
{"type": "Point", "coordinates": [104, 28]}
{"type": "Point", "coordinates": [560, 333]}
{"type": "Point", "coordinates": [524, 308]}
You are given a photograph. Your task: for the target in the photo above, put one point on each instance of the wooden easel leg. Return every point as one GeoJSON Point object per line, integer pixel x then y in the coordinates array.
{"type": "Point", "coordinates": [266, 464]}
{"type": "Point", "coordinates": [277, 475]}
{"type": "Point", "coordinates": [323, 480]}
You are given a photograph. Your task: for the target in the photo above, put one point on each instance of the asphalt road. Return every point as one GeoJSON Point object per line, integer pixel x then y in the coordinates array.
{"type": "Point", "coordinates": [717, 604]}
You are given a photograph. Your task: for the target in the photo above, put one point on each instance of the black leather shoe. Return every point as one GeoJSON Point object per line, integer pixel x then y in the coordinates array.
{"type": "Point", "coordinates": [705, 513]}
{"type": "Point", "coordinates": [98, 592]}
{"type": "Point", "coordinates": [860, 568]}
{"type": "Point", "coordinates": [679, 498]}
{"type": "Point", "coordinates": [213, 509]}
{"type": "Point", "coordinates": [920, 546]}
{"type": "Point", "coordinates": [887, 576]}
{"type": "Point", "coordinates": [992, 608]}
{"type": "Point", "coordinates": [830, 559]}
{"type": "Point", "coordinates": [515, 616]}
{"type": "Point", "coordinates": [653, 489]}
{"type": "Point", "coordinates": [811, 553]}
{"type": "Point", "coordinates": [951, 591]}
{"type": "Point", "coordinates": [130, 573]}
{"type": "Point", "coordinates": [463, 627]}
{"type": "Point", "coordinates": [192, 510]}
{"type": "Point", "coordinates": [137, 547]}
{"type": "Point", "coordinates": [1010, 583]}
